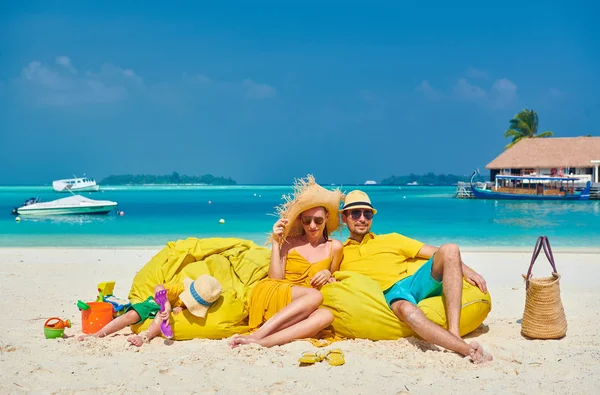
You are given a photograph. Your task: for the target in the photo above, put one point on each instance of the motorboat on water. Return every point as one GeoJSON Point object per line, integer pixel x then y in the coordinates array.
{"type": "Point", "coordinates": [75, 204]}
{"type": "Point", "coordinates": [82, 184]}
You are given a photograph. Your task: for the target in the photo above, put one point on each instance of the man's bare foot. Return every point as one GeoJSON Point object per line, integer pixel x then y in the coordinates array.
{"type": "Point", "coordinates": [136, 340]}
{"type": "Point", "coordinates": [241, 340]}
{"type": "Point", "coordinates": [477, 354]}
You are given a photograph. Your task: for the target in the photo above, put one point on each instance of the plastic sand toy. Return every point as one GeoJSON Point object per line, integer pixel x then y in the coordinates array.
{"type": "Point", "coordinates": [165, 327]}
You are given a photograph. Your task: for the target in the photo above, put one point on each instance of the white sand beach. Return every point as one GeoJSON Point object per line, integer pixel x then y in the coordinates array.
{"type": "Point", "coordinates": [39, 283]}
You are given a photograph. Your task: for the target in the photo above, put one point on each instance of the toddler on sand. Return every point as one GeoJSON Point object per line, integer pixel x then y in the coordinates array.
{"type": "Point", "coordinates": [197, 296]}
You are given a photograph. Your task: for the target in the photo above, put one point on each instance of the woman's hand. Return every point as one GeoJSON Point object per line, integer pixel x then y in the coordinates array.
{"type": "Point", "coordinates": [279, 228]}
{"type": "Point", "coordinates": [320, 279]}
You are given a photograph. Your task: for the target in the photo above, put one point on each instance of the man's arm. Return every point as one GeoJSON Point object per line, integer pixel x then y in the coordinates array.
{"type": "Point", "coordinates": [426, 251]}
{"type": "Point", "coordinates": [469, 274]}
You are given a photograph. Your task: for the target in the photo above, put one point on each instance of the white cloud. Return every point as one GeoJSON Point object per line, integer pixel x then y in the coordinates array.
{"type": "Point", "coordinates": [249, 88]}
{"type": "Point", "coordinates": [117, 74]}
{"type": "Point", "coordinates": [475, 74]}
{"type": "Point", "coordinates": [255, 90]}
{"type": "Point", "coordinates": [66, 63]}
{"type": "Point", "coordinates": [502, 92]}
{"type": "Point", "coordinates": [132, 75]}
{"type": "Point", "coordinates": [428, 91]}
{"type": "Point", "coordinates": [197, 79]}
{"type": "Point", "coordinates": [465, 91]}
{"type": "Point", "coordinates": [40, 74]}
{"type": "Point", "coordinates": [62, 86]}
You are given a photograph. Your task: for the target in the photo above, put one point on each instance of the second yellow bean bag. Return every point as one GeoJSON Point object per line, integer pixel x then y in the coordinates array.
{"type": "Point", "coordinates": [360, 310]}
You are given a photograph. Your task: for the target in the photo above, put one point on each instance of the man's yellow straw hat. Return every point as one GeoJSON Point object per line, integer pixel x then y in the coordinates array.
{"type": "Point", "coordinates": [357, 199]}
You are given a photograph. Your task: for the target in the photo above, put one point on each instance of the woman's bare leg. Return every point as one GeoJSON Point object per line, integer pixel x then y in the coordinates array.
{"type": "Point", "coordinates": [304, 303]}
{"type": "Point", "coordinates": [317, 321]}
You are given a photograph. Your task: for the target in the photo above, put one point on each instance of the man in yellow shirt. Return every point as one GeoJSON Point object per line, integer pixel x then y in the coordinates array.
{"type": "Point", "coordinates": [386, 259]}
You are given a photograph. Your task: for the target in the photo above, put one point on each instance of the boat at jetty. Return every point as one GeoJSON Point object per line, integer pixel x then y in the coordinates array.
{"type": "Point", "coordinates": [531, 187]}
{"type": "Point", "coordinates": [82, 184]}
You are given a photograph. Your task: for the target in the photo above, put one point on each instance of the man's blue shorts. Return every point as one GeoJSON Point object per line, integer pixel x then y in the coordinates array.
{"type": "Point", "coordinates": [414, 288]}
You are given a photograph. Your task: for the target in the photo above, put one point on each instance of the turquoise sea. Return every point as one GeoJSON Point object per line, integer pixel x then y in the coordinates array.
{"type": "Point", "coordinates": [156, 215]}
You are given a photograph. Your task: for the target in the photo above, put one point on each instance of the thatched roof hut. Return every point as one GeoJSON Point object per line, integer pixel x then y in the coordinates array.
{"type": "Point", "coordinates": [550, 152]}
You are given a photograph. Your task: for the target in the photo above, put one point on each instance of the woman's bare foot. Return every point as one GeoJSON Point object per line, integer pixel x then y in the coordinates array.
{"type": "Point", "coordinates": [136, 340]}
{"type": "Point", "coordinates": [240, 340]}
{"type": "Point", "coordinates": [477, 354]}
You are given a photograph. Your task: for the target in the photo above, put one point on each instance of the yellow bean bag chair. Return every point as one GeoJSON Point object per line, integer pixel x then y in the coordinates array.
{"type": "Point", "coordinates": [356, 301]}
{"type": "Point", "coordinates": [360, 310]}
{"type": "Point", "coordinates": [238, 265]}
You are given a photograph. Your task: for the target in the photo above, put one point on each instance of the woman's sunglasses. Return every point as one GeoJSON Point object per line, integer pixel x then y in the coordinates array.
{"type": "Point", "coordinates": [355, 214]}
{"type": "Point", "coordinates": [306, 220]}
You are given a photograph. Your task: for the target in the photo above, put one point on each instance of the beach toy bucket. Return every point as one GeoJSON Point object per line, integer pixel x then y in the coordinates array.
{"type": "Point", "coordinates": [96, 317]}
{"type": "Point", "coordinates": [55, 327]}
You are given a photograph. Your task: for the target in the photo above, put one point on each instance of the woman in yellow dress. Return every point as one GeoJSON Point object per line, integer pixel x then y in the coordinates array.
{"type": "Point", "coordinates": [286, 305]}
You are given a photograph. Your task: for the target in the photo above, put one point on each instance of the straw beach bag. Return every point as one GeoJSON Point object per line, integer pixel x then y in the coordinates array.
{"type": "Point", "coordinates": [544, 316]}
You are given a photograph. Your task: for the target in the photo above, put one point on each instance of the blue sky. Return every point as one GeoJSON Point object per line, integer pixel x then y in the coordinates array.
{"type": "Point", "coordinates": [267, 92]}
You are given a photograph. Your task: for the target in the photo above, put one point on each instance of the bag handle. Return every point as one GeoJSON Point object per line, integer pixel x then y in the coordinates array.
{"type": "Point", "coordinates": [542, 243]}
{"type": "Point", "coordinates": [548, 252]}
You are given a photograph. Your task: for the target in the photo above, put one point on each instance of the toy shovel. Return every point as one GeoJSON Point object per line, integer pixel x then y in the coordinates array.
{"type": "Point", "coordinates": [165, 327]}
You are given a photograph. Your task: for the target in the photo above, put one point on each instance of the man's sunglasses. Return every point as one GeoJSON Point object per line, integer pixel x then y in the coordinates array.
{"type": "Point", "coordinates": [355, 214]}
{"type": "Point", "coordinates": [306, 220]}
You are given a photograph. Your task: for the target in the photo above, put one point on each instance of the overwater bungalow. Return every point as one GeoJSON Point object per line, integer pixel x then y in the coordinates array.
{"type": "Point", "coordinates": [543, 168]}
{"type": "Point", "coordinates": [577, 157]}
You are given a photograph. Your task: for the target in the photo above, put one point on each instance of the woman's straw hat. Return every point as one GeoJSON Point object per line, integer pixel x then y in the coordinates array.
{"type": "Point", "coordinates": [200, 294]}
{"type": "Point", "coordinates": [308, 194]}
{"type": "Point", "coordinates": [357, 199]}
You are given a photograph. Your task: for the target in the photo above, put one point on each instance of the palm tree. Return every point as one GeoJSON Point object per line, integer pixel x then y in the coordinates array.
{"type": "Point", "coordinates": [524, 125]}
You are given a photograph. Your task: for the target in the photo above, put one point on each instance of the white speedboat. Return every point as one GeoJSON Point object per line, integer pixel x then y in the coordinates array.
{"type": "Point", "coordinates": [75, 204]}
{"type": "Point", "coordinates": [75, 185]}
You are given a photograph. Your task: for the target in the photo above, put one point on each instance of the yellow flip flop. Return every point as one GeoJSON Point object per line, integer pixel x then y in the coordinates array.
{"type": "Point", "coordinates": [335, 357]}
{"type": "Point", "coordinates": [309, 358]}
